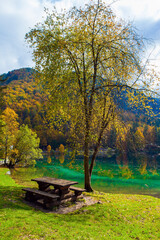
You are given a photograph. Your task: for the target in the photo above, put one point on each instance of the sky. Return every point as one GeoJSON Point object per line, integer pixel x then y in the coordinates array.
{"type": "Point", "coordinates": [17, 17]}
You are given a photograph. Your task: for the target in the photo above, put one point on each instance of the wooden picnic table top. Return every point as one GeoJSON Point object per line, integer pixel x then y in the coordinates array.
{"type": "Point", "coordinates": [54, 181]}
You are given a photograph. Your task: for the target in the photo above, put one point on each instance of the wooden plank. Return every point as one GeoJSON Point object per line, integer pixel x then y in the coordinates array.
{"type": "Point", "coordinates": [66, 196]}
{"type": "Point", "coordinates": [41, 193]}
{"type": "Point", "coordinates": [77, 189]}
{"type": "Point", "coordinates": [55, 181]}
{"type": "Point", "coordinates": [47, 200]}
{"type": "Point", "coordinates": [72, 198]}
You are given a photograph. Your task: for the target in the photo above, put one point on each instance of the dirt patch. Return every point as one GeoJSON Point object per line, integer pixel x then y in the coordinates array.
{"type": "Point", "coordinates": [87, 200]}
{"type": "Point", "coordinates": [67, 207]}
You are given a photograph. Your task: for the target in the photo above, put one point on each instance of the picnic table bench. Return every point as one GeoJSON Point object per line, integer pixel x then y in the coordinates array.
{"type": "Point", "coordinates": [34, 195]}
{"type": "Point", "coordinates": [62, 190]}
{"type": "Point", "coordinates": [78, 191]}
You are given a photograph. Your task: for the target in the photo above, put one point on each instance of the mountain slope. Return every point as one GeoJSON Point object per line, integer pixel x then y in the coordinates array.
{"type": "Point", "coordinates": [25, 98]}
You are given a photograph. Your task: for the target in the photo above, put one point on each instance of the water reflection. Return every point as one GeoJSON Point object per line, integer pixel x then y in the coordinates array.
{"type": "Point", "coordinates": [142, 163]}
{"type": "Point", "coordinates": [49, 159]}
{"type": "Point", "coordinates": [137, 174]}
{"type": "Point", "coordinates": [60, 157]}
{"type": "Point", "coordinates": [124, 169]}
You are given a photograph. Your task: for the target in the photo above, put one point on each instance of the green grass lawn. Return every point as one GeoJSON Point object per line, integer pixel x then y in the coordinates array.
{"type": "Point", "coordinates": [119, 216]}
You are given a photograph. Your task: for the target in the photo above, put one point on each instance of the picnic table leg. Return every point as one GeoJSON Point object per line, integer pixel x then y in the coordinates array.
{"type": "Point", "coordinates": [63, 192]}
{"type": "Point", "coordinates": [44, 187]}
{"type": "Point", "coordinates": [29, 196]}
{"type": "Point", "coordinates": [49, 204]}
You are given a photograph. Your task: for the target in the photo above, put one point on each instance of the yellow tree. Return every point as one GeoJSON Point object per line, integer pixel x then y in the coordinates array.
{"type": "Point", "coordinates": [139, 138]}
{"type": "Point", "coordinates": [9, 131]}
{"type": "Point", "coordinates": [48, 149]}
{"type": "Point", "coordinates": [88, 59]}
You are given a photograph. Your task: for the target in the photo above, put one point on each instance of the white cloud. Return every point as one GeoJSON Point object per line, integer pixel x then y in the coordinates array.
{"type": "Point", "coordinates": [16, 18]}
{"type": "Point", "coordinates": [139, 9]}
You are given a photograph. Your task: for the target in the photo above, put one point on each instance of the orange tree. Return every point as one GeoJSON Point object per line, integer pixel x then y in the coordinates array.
{"type": "Point", "coordinates": [9, 130]}
{"type": "Point", "coordinates": [88, 59]}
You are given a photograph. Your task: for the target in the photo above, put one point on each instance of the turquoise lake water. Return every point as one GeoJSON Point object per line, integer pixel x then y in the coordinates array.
{"type": "Point", "coordinates": [137, 175]}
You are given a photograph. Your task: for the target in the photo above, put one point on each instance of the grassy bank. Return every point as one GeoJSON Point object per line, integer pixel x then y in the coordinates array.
{"type": "Point", "coordinates": [118, 217]}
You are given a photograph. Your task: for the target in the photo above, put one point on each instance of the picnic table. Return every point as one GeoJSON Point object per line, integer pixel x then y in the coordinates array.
{"type": "Point", "coordinates": [52, 191]}
{"type": "Point", "coordinates": [61, 186]}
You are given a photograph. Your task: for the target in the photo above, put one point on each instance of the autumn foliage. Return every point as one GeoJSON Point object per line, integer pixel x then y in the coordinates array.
{"type": "Point", "coordinates": [88, 59]}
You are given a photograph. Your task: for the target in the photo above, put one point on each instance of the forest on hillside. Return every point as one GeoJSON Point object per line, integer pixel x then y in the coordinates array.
{"type": "Point", "coordinates": [24, 96]}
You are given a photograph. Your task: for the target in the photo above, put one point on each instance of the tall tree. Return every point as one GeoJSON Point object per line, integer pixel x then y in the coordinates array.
{"type": "Point", "coordinates": [88, 59]}
{"type": "Point", "coordinates": [9, 130]}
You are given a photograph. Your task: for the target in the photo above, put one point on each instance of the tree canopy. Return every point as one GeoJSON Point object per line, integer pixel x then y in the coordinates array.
{"type": "Point", "coordinates": [27, 146]}
{"type": "Point", "coordinates": [17, 145]}
{"type": "Point", "coordinates": [88, 58]}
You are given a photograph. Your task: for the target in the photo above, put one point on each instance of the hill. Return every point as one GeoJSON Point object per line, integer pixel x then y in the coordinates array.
{"type": "Point", "coordinates": [25, 74]}
{"type": "Point", "coordinates": [24, 96]}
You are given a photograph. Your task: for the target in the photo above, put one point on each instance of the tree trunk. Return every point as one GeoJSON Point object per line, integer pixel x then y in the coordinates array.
{"type": "Point", "coordinates": [93, 159]}
{"type": "Point", "coordinates": [10, 165]}
{"type": "Point", "coordinates": [96, 151]}
{"type": "Point", "coordinates": [87, 177]}
{"type": "Point", "coordinates": [6, 150]}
